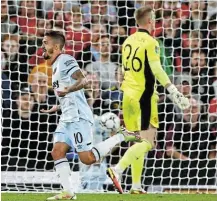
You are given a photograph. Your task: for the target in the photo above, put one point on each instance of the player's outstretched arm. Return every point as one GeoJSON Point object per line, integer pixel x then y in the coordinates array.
{"type": "Point", "coordinates": [153, 54]}
{"type": "Point", "coordinates": [55, 108]}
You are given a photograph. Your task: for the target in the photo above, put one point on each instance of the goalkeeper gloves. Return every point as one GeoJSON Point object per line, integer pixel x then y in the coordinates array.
{"type": "Point", "coordinates": [178, 98]}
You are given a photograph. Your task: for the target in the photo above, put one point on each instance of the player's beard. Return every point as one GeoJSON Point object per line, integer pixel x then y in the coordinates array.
{"type": "Point", "coordinates": [46, 55]}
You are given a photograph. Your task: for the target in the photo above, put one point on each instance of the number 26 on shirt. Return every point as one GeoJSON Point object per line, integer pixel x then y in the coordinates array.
{"type": "Point", "coordinates": [133, 60]}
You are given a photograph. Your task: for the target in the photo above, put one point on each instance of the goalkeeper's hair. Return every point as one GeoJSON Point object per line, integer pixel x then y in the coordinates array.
{"type": "Point", "coordinates": [58, 37]}
{"type": "Point", "coordinates": [142, 13]}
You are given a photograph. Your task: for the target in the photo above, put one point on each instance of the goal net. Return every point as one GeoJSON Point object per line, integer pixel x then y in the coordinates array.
{"type": "Point", "coordinates": [184, 158]}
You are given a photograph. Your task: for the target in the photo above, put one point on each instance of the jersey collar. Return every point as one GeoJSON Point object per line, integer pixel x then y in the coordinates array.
{"type": "Point", "coordinates": [56, 58]}
{"type": "Point", "coordinates": [143, 30]}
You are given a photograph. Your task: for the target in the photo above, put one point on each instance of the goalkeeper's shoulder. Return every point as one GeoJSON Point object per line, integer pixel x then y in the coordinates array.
{"type": "Point", "coordinates": [153, 42]}
{"type": "Point", "coordinates": [153, 39]}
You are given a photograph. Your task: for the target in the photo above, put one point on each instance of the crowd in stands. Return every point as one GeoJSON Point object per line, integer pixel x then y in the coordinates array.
{"type": "Point", "coordinates": [95, 31]}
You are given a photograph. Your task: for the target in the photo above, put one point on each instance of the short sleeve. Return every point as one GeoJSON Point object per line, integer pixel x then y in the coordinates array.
{"type": "Point", "coordinates": [70, 65]}
{"type": "Point", "coordinates": [153, 51]}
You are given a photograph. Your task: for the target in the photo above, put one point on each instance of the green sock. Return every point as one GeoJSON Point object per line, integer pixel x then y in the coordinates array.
{"type": "Point", "coordinates": [132, 154]}
{"type": "Point", "coordinates": [136, 170]}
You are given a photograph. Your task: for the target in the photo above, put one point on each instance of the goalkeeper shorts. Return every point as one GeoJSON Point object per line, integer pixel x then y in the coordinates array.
{"type": "Point", "coordinates": [77, 134]}
{"type": "Point", "coordinates": [140, 113]}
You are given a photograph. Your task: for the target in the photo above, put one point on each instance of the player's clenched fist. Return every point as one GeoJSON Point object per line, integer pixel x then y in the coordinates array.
{"type": "Point", "coordinates": [63, 92]}
{"type": "Point", "coordinates": [178, 98]}
{"type": "Point", "coordinates": [53, 109]}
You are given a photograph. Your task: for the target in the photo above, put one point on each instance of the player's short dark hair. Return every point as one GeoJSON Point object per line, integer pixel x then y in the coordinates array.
{"type": "Point", "coordinates": [57, 36]}
{"type": "Point", "coordinates": [141, 14]}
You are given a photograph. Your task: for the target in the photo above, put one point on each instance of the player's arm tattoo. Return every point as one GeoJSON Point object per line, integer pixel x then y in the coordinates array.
{"type": "Point", "coordinates": [80, 83]}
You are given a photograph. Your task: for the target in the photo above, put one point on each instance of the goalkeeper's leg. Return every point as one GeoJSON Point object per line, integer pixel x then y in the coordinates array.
{"type": "Point", "coordinates": [134, 153]}
{"type": "Point", "coordinates": [136, 171]}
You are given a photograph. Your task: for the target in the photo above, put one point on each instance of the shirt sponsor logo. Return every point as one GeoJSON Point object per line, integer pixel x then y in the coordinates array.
{"type": "Point", "coordinates": [55, 84]}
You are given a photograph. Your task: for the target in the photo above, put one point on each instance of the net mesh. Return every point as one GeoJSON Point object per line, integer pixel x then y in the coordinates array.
{"type": "Point", "coordinates": [185, 154]}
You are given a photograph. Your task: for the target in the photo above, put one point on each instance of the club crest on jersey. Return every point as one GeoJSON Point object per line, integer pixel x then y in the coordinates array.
{"type": "Point", "coordinates": [157, 49]}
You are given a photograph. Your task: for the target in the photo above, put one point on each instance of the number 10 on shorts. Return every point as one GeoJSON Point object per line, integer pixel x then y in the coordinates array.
{"type": "Point", "coordinates": [78, 138]}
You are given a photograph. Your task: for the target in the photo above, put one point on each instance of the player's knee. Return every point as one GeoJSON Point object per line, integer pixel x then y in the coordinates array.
{"type": "Point", "coordinates": [151, 143]}
{"type": "Point", "coordinates": [59, 150]}
{"type": "Point", "coordinates": [149, 136]}
{"type": "Point", "coordinates": [57, 154]}
{"type": "Point", "coordinates": [87, 159]}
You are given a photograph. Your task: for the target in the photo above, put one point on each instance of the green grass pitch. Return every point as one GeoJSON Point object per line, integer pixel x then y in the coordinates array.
{"type": "Point", "coordinates": [113, 197]}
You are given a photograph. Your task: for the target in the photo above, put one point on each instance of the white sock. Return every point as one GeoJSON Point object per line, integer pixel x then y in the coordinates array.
{"type": "Point", "coordinates": [103, 148]}
{"type": "Point", "coordinates": [64, 172]}
{"type": "Point", "coordinates": [136, 186]}
{"type": "Point", "coordinates": [118, 169]}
